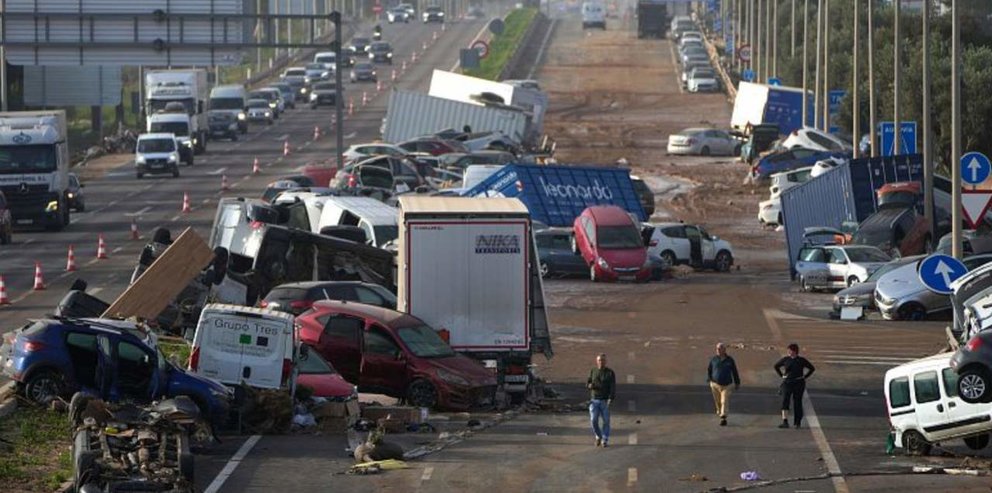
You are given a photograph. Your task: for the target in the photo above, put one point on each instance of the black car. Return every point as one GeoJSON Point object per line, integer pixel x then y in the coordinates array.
{"type": "Point", "coordinates": [363, 71]}
{"type": "Point", "coordinates": [323, 93]}
{"type": "Point", "coordinates": [381, 52]}
{"type": "Point", "coordinates": [972, 362]}
{"type": "Point", "coordinates": [359, 46]}
{"type": "Point", "coordinates": [298, 297]}
{"type": "Point", "coordinates": [554, 247]}
{"type": "Point", "coordinates": [74, 194]}
{"type": "Point", "coordinates": [644, 195]}
{"type": "Point", "coordinates": [223, 125]}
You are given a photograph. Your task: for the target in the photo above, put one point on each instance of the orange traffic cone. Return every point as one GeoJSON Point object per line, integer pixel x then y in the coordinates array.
{"type": "Point", "coordinates": [351, 106]}
{"type": "Point", "coordinates": [223, 183]}
{"type": "Point", "coordinates": [413, 57]}
{"type": "Point", "coordinates": [4, 299]}
{"type": "Point", "coordinates": [365, 98]}
{"type": "Point", "coordinates": [316, 132]}
{"type": "Point", "coordinates": [70, 263]}
{"type": "Point", "coordinates": [186, 207]}
{"type": "Point", "coordinates": [393, 76]}
{"type": "Point", "coordinates": [378, 86]}
{"type": "Point", "coordinates": [285, 148]}
{"type": "Point", "coordinates": [39, 281]}
{"type": "Point", "coordinates": [255, 167]}
{"type": "Point", "coordinates": [101, 248]}
{"type": "Point", "coordinates": [134, 230]}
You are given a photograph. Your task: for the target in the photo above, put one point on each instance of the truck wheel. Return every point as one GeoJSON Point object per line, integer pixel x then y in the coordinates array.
{"type": "Point", "coordinates": [973, 385]}
{"type": "Point", "coordinates": [977, 442]}
{"type": "Point", "coordinates": [421, 393]}
{"type": "Point", "coordinates": [914, 443]}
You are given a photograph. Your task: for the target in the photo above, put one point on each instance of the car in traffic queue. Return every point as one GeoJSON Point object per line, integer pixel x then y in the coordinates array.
{"type": "Point", "coordinates": [689, 67]}
{"type": "Point", "coordinates": [364, 72]}
{"type": "Point", "coordinates": [273, 97]}
{"type": "Point", "coordinates": [316, 72]}
{"type": "Point", "coordinates": [223, 125]}
{"type": "Point", "coordinates": [688, 244]}
{"type": "Point", "coordinates": [296, 77]}
{"type": "Point", "coordinates": [6, 221]}
{"type": "Point", "coordinates": [410, 9]}
{"type": "Point", "coordinates": [259, 110]}
{"type": "Point", "coordinates": [862, 294]}
{"type": "Point", "coordinates": [323, 93]}
{"type": "Point", "coordinates": [900, 295]}
{"type": "Point", "coordinates": [396, 354]}
{"type": "Point", "coordinates": [156, 153]}
{"type": "Point", "coordinates": [554, 248]}
{"type": "Point", "coordinates": [397, 14]}
{"type": "Point", "coordinates": [702, 80]}
{"type": "Point", "coordinates": [433, 13]}
{"type": "Point", "coordinates": [611, 245]}
{"type": "Point", "coordinates": [114, 359]}
{"type": "Point", "coordinates": [74, 195]}
{"type": "Point", "coordinates": [289, 95]}
{"type": "Point", "coordinates": [359, 46]}
{"type": "Point", "coordinates": [837, 266]}
{"type": "Point", "coordinates": [703, 142]}
{"type": "Point", "coordinates": [381, 52]}
{"type": "Point", "coordinates": [298, 297]}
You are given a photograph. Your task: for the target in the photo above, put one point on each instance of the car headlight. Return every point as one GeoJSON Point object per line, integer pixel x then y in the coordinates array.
{"type": "Point", "coordinates": [70, 195]}
{"type": "Point", "coordinates": [172, 158]}
{"type": "Point", "coordinates": [313, 96]}
{"type": "Point", "coordinates": [371, 55]}
{"type": "Point", "coordinates": [242, 116]}
{"type": "Point", "coordinates": [303, 90]}
{"type": "Point", "coordinates": [188, 143]}
{"type": "Point", "coordinates": [389, 55]}
{"type": "Point", "coordinates": [273, 105]}
{"type": "Point", "coordinates": [440, 14]}
{"type": "Point", "coordinates": [268, 114]}
{"type": "Point", "coordinates": [602, 263]}
{"type": "Point", "coordinates": [139, 160]}
{"type": "Point", "coordinates": [450, 377]}
{"type": "Point", "coordinates": [52, 206]}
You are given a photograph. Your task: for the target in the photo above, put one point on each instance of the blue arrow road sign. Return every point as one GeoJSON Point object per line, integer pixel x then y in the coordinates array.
{"type": "Point", "coordinates": [774, 81]}
{"type": "Point", "coordinates": [975, 168]}
{"type": "Point", "coordinates": [748, 75]}
{"type": "Point", "coordinates": [938, 271]}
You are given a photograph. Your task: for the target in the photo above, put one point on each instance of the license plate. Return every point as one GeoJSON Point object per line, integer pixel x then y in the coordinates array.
{"type": "Point", "coordinates": [627, 278]}
{"type": "Point", "coordinates": [25, 221]}
{"type": "Point", "coordinates": [157, 166]}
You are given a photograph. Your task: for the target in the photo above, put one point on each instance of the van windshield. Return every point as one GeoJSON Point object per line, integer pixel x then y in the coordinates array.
{"type": "Point", "coordinates": [180, 129]}
{"type": "Point", "coordinates": [619, 237]}
{"type": "Point", "coordinates": [424, 342]}
{"type": "Point", "coordinates": [227, 103]}
{"type": "Point", "coordinates": [156, 145]}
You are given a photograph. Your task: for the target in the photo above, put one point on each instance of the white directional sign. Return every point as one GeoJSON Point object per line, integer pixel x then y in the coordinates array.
{"type": "Point", "coordinates": [975, 204]}
{"type": "Point", "coordinates": [975, 168]}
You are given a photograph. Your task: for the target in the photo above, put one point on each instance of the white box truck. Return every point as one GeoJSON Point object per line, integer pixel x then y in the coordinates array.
{"type": "Point", "coordinates": [34, 167]}
{"type": "Point", "coordinates": [469, 268]}
{"type": "Point", "coordinates": [185, 86]}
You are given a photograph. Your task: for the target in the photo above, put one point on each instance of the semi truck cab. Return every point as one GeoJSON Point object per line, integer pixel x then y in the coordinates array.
{"type": "Point", "coordinates": [34, 167]}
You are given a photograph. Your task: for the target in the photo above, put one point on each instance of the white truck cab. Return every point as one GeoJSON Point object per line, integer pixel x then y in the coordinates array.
{"type": "Point", "coordinates": [179, 124]}
{"type": "Point", "coordinates": [593, 15]}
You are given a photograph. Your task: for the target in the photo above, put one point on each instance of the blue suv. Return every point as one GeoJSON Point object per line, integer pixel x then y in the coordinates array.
{"type": "Point", "coordinates": [112, 359]}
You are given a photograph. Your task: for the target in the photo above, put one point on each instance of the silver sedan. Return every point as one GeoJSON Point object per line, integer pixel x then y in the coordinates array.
{"type": "Point", "coordinates": [704, 142]}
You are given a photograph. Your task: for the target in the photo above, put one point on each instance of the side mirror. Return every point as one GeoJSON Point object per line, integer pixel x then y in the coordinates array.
{"type": "Point", "coordinates": [399, 356]}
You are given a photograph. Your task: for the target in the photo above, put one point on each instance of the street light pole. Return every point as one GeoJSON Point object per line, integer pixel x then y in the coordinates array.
{"type": "Point", "coordinates": [897, 130]}
{"type": "Point", "coordinates": [756, 50]}
{"type": "Point", "coordinates": [335, 18]}
{"type": "Point", "coordinates": [826, 65]}
{"type": "Point", "coordinates": [927, 153]}
{"type": "Point", "coordinates": [855, 97]}
{"type": "Point", "coordinates": [792, 53]}
{"type": "Point", "coordinates": [819, 52]}
{"type": "Point", "coordinates": [774, 38]}
{"type": "Point", "coordinates": [955, 163]}
{"type": "Point", "coordinates": [805, 62]}
{"type": "Point", "coordinates": [872, 123]}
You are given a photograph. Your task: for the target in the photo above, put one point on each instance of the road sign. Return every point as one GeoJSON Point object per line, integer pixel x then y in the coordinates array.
{"type": "Point", "coordinates": [718, 25]}
{"type": "Point", "coordinates": [748, 75]}
{"type": "Point", "coordinates": [496, 26]}
{"type": "Point", "coordinates": [744, 53]}
{"type": "Point", "coordinates": [836, 96]}
{"type": "Point", "coordinates": [938, 271]}
{"type": "Point", "coordinates": [975, 204]}
{"type": "Point", "coordinates": [482, 47]}
{"type": "Point", "coordinates": [774, 81]}
{"type": "Point", "coordinates": [975, 168]}
{"type": "Point", "coordinates": [908, 139]}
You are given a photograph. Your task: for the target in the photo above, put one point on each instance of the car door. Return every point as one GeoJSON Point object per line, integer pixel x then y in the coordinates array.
{"type": "Point", "coordinates": [838, 266]}
{"type": "Point", "coordinates": [812, 265]}
{"type": "Point", "coordinates": [339, 343]}
{"type": "Point", "coordinates": [136, 371]}
{"type": "Point", "coordinates": [677, 242]}
{"type": "Point", "coordinates": [84, 359]}
{"type": "Point", "coordinates": [383, 363]}
{"type": "Point", "coordinates": [930, 407]}
{"type": "Point", "coordinates": [695, 246]}
{"type": "Point", "coordinates": [707, 244]}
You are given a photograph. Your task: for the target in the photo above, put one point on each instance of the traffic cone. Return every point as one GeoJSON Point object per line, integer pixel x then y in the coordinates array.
{"type": "Point", "coordinates": [378, 86]}
{"type": "Point", "coordinates": [70, 263]}
{"type": "Point", "coordinates": [39, 281]}
{"type": "Point", "coordinates": [4, 299]}
{"type": "Point", "coordinates": [434, 36]}
{"type": "Point", "coordinates": [393, 76]}
{"type": "Point", "coordinates": [316, 132]}
{"type": "Point", "coordinates": [413, 57]}
{"type": "Point", "coordinates": [186, 207]}
{"type": "Point", "coordinates": [285, 148]}
{"type": "Point", "coordinates": [255, 167]}
{"type": "Point", "coordinates": [403, 67]}
{"type": "Point", "coordinates": [365, 98]}
{"type": "Point", "coordinates": [223, 183]}
{"type": "Point", "coordinates": [101, 248]}
{"type": "Point", "coordinates": [134, 230]}
{"type": "Point", "coordinates": [351, 106]}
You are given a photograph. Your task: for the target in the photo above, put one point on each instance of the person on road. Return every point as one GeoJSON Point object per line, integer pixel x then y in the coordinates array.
{"type": "Point", "coordinates": [794, 370]}
{"type": "Point", "coordinates": [602, 385]}
{"type": "Point", "coordinates": [721, 373]}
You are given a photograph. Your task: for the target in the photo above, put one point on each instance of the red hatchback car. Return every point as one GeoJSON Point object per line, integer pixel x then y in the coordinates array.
{"type": "Point", "coordinates": [396, 354]}
{"type": "Point", "coordinates": [611, 245]}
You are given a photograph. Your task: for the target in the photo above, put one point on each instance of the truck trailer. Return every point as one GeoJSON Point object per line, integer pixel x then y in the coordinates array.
{"type": "Point", "coordinates": [652, 19]}
{"type": "Point", "coordinates": [187, 87]}
{"type": "Point", "coordinates": [758, 104]}
{"type": "Point", "coordinates": [34, 167]}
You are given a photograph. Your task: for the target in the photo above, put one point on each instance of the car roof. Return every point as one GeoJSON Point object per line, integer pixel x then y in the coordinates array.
{"type": "Point", "coordinates": [609, 214]}
{"type": "Point", "coordinates": [378, 313]}
{"type": "Point", "coordinates": [158, 135]}
{"type": "Point", "coordinates": [942, 359]}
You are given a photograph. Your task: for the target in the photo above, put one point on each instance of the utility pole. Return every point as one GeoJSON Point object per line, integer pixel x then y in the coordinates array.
{"type": "Point", "coordinates": [756, 50]}
{"type": "Point", "coordinates": [750, 32]}
{"type": "Point", "coordinates": [855, 80]}
{"type": "Point", "coordinates": [872, 122]}
{"type": "Point", "coordinates": [896, 122]}
{"type": "Point", "coordinates": [335, 18]}
{"type": "Point", "coordinates": [927, 152]}
{"type": "Point", "coordinates": [805, 62]}
{"type": "Point", "coordinates": [792, 53]}
{"type": "Point", "coordinates": [826, 65]}
{"type": "Point", "coordinates": [955, 163]}
{"type": "Point", "coordinates": [819, 53]}
{"type": "Point", "coordinates": [775, 38]}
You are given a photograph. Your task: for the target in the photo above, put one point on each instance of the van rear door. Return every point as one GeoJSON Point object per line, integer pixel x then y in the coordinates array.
{"type": "Point", "coordinates": [239, 344]}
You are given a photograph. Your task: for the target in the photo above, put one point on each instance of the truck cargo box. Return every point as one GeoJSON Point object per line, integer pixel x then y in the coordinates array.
{"type": "Point", "coordinates": [652, 19]}
{"type": "Point", "coordinates": [761, 103]}
{"type": "Point", "coordinates": [412, 114]}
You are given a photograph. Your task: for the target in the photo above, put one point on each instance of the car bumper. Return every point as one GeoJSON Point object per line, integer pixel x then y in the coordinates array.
{"type": "Point", "coordinates": [151, 169]}
{"type": "Point", "coordinates": [680, 149]}
{"type": "Point", "coordinates": [611, 275]}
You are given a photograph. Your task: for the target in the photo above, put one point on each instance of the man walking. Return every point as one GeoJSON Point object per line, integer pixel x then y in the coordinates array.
{"type": "Point", "coordinates": [602, 385]}
{"type": "Point", "coordinates": [720, 374]}
{"type": "Point", "coordinates": [794, 370]}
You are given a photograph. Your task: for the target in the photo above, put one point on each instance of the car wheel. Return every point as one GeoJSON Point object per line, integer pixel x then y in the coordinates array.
{"type": "Point", "coordinates": [912, 311]}
{"type": "Point", "coordinates": [592, 273]}
{"type": "Point", "coordinates": [914, 443]}
{"type": "Point", "coordinates": [804, 286]}
{"type": "Point", "coordinates": [421, 393]}
{"type": "Point", "coordinates": [545, 270]}
{"type": "Point", "coordinates": [724, 261]}
{"type": "Point", "coordinates": [669, 256]}
{"type": "Point", "coordinates": [977, 442]}
{"type": "Point", "coordinates": [44, 386]}
{"type": "Point", "coordinates": [705, 151]}
{"type": "Point", "coordinates": [973, 385]}
{"type": "Point", "coordinates": [851, 281]}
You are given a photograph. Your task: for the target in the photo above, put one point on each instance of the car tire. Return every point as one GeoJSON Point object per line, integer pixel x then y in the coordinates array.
{"type": "Point", "coordinates": [545, 270]}
{"type": "Point", "coordinates": [851, 281]}
{"type": "Point", "coordinates": [914, 443]}
{"type": "Point", "coordinates": [803, 286]}
{"type": "Point", "coordinates": [669, 256]}
{"type": "Point", "coordinates": [973, 385]}
{"type": "Point", "coordinates": [421, 393]}
{"type": "Point", "coordinates": [43, 386]}
{"type": "Point", "coordinates": [705, 151]}
{"type": "Point", "coordinates": [977, 442]}
{"type": "Point", "coordinates": [723, 261]}
{"type": "Point", "coordinates": [592, 273]}
{"type": "Point", "coordinates": [913, 312]}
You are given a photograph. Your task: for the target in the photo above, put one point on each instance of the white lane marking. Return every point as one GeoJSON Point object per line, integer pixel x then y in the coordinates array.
{"type": "Point", "coordinates": [630, 379]}
{"type": "Point", "coordinates": [428, 472]}
{"type": "Point", "coordinates": [138, 213]}
{"type": "Point", "coordinates": [247, 177]}
{"type": "Point", "coordinates": [632, 406]}
{"type": "Point", "coordinates": [282, 137]}
{"type": "Point", "coordinates": [631, 476]}
{"type": "Point", "coordinates": [632, 439]}
{"type": "Point", "coordinates": [95, 291]}
{"type": "Point", "coordinates": [206, 201]}
{"type": "Point", "coordinates": [351, 135]}
{"type": "Point", "coordinates": [175, 218]}
{"type": "Point", "coordinates": [217, 171]}
{"type": "Point", "coordinates": [840, 485]}
{"type": "Point", "coordinates": [773, 324]}
{"type": "Point", "coordinates": [29, 241]}
{"type": "Point", "coordinates": [630, 355]}
{"type": "Point", "coordinates": [113, 203]}
{"type": "Point", "coordinates": [92, 262]}
{"type": "Point", "coordinates": [117, 250]}
{"type": "Point", "coordinates": [232, 464]}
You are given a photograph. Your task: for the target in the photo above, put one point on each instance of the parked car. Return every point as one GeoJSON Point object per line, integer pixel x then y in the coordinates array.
{"type": "Point", "coordinates": [786, 160]}
{"type": "Point", "coordinates": [381, 52]}
{"type": "Point", "coordinates": [704, 142]}
{"type": "Point", "coordinates": [611, 245]}
{"type": "Point", "coordinates": [972, 243]}
{"type": "Point", "coordinates": [770, 212]}
{"type": "Point", "coordinates": [404, 172]}
{"type": "Point", "coordinates": [373, 181]}
{"type": "Point", "coordinates": [554, 247]}
{"type": "Point", "coordinates": [971, 300]}
{"type": "Point", "coordinates": [6, 222]}
{"type": "Point", "coordinates": [689, 67]}
{"type": "Point", "coordinates": [644, 195]}
{"type": "Point", "coordinates": [317, 373]}
{"type": "Point", "coordinates": [688, 244]}
{"type": "Point", "coordinates": [927, 404]}
{"type": "Point", "coordinates": [781, 182]}
{"type": "Point", "coordinates": [296, 77]}
{"type": "Point", "coordinates": [113, 359]}
{"type": "Point", "coordinates": [259, 110]}
{"type": "Point", "coordinates": [74, 194]}
{"type": "Point", "coordinates": [393, 353]}
{"type": "Point", "coordinates": [900, 295]}
{"type": "Point", "coordinates": [323, 93]}
{"type": "Point", "coordinates": [157, 153]}
{"type": "Point", "coordinates": [702, 80]}
{"type": "Point", "coordinates": [357, 152]}
{"type": "Point", "coordinates": [364, 71]}
{"type": "Point", "coordinates": [896, 231]}
{"type": "Point", "coordinates": [433, 14]}
{"type": "Point", "coordinates": [298, 297]}
{"type": "Point", "coordinates": [817, 140]}
{"type": "Point", "coordinates": [862, 294]}
{"type": "Point", "coordinates": [837, 266]}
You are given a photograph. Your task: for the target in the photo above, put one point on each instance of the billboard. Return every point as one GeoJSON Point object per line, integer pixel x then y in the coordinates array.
{"type": "Point", "coordinates": [72, 86]}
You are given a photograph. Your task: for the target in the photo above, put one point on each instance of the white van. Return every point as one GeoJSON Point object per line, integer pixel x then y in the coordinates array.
{"type": "Point", "coordinates": [231, 99]}
{"type": "Point", "coordinates": [593, 15]}
{"type": "Point", "coordinates": [235, 344]}
{"type": "Point", "coordinates": [377, 219]}
{"type": "Point", "coordinates": [924, 407]}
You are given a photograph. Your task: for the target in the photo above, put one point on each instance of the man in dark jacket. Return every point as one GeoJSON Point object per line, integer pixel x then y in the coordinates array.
{"type": "Point", "coordinates": [794, 370]}
{"type": "Point", "coordinates": [721, 373]}
{"type": "Point", "coordinates": [602, 385]}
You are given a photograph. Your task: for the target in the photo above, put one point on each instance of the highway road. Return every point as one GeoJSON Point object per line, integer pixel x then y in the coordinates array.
{"type": "Point", "coordinates": [117, 198]}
